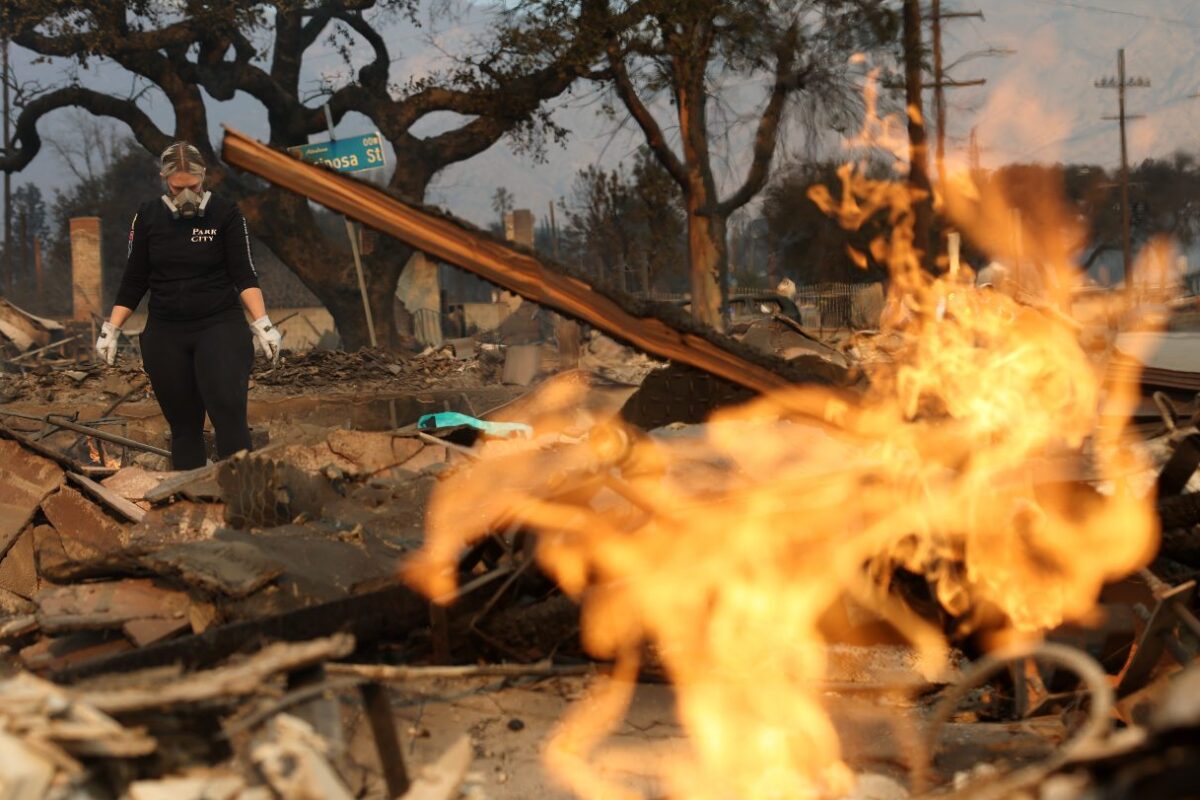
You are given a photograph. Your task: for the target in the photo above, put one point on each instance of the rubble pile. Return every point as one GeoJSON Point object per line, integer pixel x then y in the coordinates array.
{"type": "Point", "coordinates": [175, 623]}
{"type": "Point", "coordinates": [92, 569]}
{"type": "Point", "coordinates": [111, 588]}
{"type": "Point", "coordinates": [380, 370]}
{"type": "Point", "coordinates": [209, 633]}
{"type": "Point", "coordinates": [228, 632]}
{"type": "Point", "coordinates": [46, 380]}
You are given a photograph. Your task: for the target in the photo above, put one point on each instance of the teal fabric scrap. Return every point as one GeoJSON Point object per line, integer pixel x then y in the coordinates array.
{"type": "Point", "coordinates": [453, 419]}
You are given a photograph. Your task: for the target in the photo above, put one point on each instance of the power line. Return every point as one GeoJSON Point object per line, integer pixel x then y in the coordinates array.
{"type": "Point", "coordinates": [940, 80]}
{"type": "Point", "coordinates": [1115, 12]}
{"type": "Point", "coordinates": [1089, 132]}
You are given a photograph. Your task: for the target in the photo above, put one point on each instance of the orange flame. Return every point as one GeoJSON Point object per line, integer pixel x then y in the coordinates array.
{"type": "Point", "coordinates": [96, 456]}
{"type": "Point", "coordinates": [964, 462]}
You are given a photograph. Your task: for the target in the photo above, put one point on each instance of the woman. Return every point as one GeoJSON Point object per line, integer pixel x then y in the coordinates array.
{"type": "Point", "coordinates": [191, 250]}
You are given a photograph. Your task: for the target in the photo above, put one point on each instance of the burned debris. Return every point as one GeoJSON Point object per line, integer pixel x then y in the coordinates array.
{"type": "Point", "coordinates": [254, 629]}
{"type": "Point", "coordinates": [932, 533]}
{"type": "Point", "coordinates": [369, 603]}
{"type": "Point", "coordinates": [145, 574]}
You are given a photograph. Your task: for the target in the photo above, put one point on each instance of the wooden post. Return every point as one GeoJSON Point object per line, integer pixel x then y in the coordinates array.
{"type": "Point", "coordinates": [918, 175]}
{"type": "Point", "coordinates": [86, 269]}
{"type": "Point", "coordinates": [358, 268]}
{"type": "Point", "coordinates": [1126, 245]}
{"type": "Point", "coordinates": [1018, 272]}
{"type": "Point", "coordinates": [566, 331]}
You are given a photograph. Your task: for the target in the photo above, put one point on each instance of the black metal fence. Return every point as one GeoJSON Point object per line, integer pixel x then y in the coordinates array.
{"type": "Point", "coordinates": [853, 306]}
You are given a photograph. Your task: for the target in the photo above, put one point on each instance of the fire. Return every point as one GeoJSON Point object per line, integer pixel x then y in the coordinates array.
{"type": "Point", "coordinates": [723, 552]}
{"type": "Point", "coordinates": [97, 456]}
{"type": "Point", "coordinates": [94, 452]}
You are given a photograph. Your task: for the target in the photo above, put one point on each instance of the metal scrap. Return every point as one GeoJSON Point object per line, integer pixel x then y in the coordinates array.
{"type": "Point", "coordinates": [38, 351]}
{"type": "Point", "coordinates": [262, 492]}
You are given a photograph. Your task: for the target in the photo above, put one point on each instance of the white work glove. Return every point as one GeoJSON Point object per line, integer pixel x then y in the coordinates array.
{"type": "Point", "coordinates": [267, 336]}
{"type": "Point", "coordinates": [106, 343]}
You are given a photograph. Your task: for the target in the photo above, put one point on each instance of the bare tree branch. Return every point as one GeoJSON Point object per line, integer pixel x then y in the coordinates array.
{"type": "Point", "coordinates": [767, 135]}
{"type": "Point", "coordinates": [373, 76]}
{"type": "Point", "coordinates": [29, 141]}
{"type": "Point", "coordinates": [642, 116]}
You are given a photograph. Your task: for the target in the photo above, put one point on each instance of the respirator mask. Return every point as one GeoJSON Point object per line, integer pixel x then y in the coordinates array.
{"type": "Point", "coordinates": [187, 204]}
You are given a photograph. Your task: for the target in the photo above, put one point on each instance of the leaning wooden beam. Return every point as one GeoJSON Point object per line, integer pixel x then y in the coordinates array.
{"type": "Point", "coordinates": [391, 673]}
{"type": "Point", "coordinates": [463, 246]}
{"type": "Point", "coordinates": [108, 497]}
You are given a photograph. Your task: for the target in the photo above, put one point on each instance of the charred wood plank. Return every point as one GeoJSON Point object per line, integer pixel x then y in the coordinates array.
{"type": "Point", "coordinates": [388, 613]}
{"type": "Point", "coordinates": [644, 325]}
{"type": "Point", "coordinates": [108, 497]}
{"type": "Point", "coordinates": [236, 680]}
{"type": "Point", "coordinates": [378, 705]}
{"type": "Point", "coordinates": [26, 479]}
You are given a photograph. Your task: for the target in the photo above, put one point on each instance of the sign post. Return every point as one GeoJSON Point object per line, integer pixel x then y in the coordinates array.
{"type": "Point", "coordinates": [348, 155]}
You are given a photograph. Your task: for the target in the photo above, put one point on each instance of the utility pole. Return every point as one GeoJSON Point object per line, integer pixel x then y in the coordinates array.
{"type": "Point", "coordinates": [940, 82]}
{"type": "Point", "coordinates": [1121, 83]}
{"type": "Point", "coordinates": [918, 173]}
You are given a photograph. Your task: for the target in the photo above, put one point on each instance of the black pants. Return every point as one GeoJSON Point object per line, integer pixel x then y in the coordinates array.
{"type": "Point", "coordinates": [196, 367]}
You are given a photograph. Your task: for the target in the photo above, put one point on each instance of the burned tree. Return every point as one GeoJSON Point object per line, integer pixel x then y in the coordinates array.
{"type": "Point", "coordinates": [626, 227]}
{"type": "Point", "coordinates": [218, 48]}
{"type": "Point", "coordinates": [798, 50]}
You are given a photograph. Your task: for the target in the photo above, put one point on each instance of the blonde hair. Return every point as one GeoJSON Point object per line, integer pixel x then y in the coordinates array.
{"type": "Point", "coordinates": [181, 157]}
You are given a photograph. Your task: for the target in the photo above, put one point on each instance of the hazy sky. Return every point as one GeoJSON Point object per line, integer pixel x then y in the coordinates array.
{"type": "Point", "coordinates": [1039, 104]}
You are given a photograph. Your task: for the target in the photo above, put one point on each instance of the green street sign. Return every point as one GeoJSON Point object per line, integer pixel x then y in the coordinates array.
{"type": "Point", "coordinates": [354, 154]}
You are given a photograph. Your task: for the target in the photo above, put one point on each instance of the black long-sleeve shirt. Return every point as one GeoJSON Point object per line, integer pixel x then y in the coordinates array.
{"type": "Point", "coordinates": [193, 268]}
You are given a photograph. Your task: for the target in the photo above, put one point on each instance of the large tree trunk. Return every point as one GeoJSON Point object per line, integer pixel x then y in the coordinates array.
{"type": "Point", "coordinates": [383, 269]}
{"type": "Point", "coordinates": [708, 254]}
{"type": "Point", "coordinates": [707, 249]}
{"type": "Point", "coordinates": [285, 223]}
{"type": "Point", "coordinates": [337, 287]}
